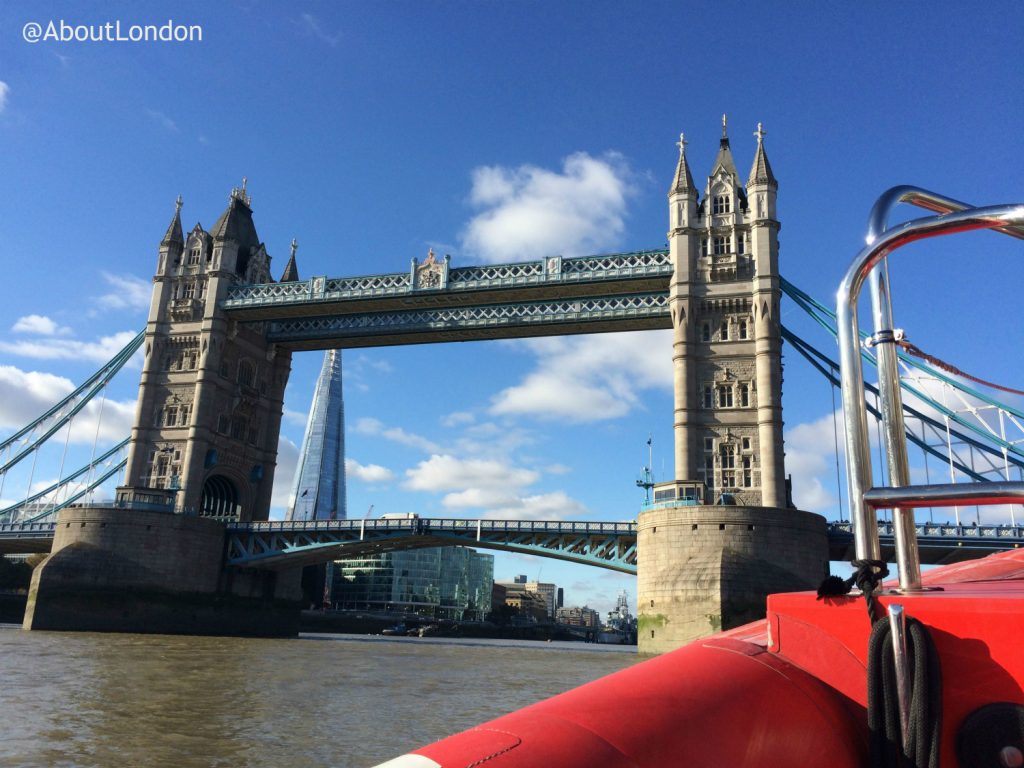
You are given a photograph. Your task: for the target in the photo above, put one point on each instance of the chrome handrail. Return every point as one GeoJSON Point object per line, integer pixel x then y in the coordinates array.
{"type": "Point", "coordinates": [954, 217]}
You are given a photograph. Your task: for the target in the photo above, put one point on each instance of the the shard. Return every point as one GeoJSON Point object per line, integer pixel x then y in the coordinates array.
{"type": "Point", "coordinates": [319, 489]}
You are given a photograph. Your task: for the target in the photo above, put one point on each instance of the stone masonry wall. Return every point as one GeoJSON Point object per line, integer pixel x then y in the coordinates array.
{"type": "Point", "coordinates": [707, 568]}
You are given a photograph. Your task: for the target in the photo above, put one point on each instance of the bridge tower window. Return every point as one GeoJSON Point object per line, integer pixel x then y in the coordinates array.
{"type": "Point", "coordinates": [725, 396]}
{"type": "Point", "coordinates": [723, 331]}
{"type": "Point", "coordinates": [246, 373]}
{"type": "Point", "coordinates": [704, 246]}
{"type": "Point", "coordinates": [721, 204]}
{"type": "Point", "coordinates": [708, 400]}
{"type": "Point", "coordinates": [742, 330]}
{"type": "Point", "coordinates": [744, 396]}
{"type": "Point", "coordinates": [727, 459]}
{"type": "Point", "coordinates": [721, 245]}
{"type": "Point", "coordinates": [705, 332]}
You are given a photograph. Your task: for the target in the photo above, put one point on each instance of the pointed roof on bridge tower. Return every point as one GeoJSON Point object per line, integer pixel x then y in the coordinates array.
{"type": "Point", "coordinates": [291, 271]}
{"type": "Point", "coordinates": [236, 221]}
{"type": "Point", "coordinates": [761, 170]}
{"type": "Point", "coordinates": [174, 235]}
{"type": "Point", "coordinates": [683, 181]}
{"type": "Point", "coordinates": [724, 157]}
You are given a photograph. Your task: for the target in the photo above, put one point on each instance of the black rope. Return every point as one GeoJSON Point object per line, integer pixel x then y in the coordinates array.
{"type": "Point", "coordinates": [925, 723]}
{"type": "Point", "coordinates": [867, 576]}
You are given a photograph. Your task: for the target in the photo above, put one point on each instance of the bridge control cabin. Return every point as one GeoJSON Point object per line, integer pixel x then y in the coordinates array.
{"type": "Point", "coordinates": [680, 492]}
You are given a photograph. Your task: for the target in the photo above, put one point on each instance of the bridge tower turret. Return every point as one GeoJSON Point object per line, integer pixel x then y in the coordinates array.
{"type": "Point", "coordinates": [763, 235]}
{"type": "Point", "coordinates": [212, 391]}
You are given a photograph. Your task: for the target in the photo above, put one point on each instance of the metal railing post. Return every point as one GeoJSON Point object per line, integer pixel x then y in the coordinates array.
{"type": "Point", "coordinates": [1006, 218]}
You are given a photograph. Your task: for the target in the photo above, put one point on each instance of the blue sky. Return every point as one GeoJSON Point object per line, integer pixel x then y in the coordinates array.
{"type": "Point", "coordinates": [496, 132]}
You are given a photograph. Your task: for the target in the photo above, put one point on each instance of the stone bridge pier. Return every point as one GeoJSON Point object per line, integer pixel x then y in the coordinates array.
{"type": "Point", "coordinates": [133, 570]}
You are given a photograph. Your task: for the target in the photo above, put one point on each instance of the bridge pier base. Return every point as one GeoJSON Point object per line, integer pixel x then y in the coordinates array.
{"type": "Point", "coordinates": [121, 570]}
{"type": "Point", "coordinates": [706, 568]}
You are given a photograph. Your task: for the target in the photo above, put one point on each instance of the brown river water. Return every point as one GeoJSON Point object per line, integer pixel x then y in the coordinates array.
{"type": "Point", "coordinates": [346, 701]}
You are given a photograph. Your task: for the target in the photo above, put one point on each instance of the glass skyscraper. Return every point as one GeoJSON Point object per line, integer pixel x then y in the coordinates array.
{"type": "Point", "coordinates": [439, 582]}
{"type": "Point", "coordinates": [319, 489]}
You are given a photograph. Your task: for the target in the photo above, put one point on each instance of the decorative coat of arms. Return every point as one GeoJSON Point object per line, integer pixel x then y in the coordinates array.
{"type": "Point", "coordinates": [431, 273]}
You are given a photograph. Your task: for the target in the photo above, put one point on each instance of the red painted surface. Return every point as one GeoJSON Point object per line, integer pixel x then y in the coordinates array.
{"type": "Point", "coordinates": [790, 691]}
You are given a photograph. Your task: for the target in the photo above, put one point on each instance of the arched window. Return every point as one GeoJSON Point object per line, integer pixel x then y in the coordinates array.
{"type": "Point", "coordinates": [246, 373]}
{"type": "Point", "coordinates": [220, 497]}
{"type": "Point", "coordinates": [721, 204]}
{"type": "Point", "coordinates": [721, 245]}
{"type": "Point", "coordinates": [705, 332]}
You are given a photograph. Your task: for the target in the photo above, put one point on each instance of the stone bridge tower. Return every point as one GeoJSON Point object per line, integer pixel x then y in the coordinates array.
{"type": "Point", "coordinates": [211, 392]}
{"type": "Point", "coordinates": [724, 300]}
{"type": "Point", "coordinates": [723, 534]}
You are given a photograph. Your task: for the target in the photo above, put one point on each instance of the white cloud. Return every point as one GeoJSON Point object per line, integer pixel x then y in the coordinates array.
{"type": "Point", "coordinates": [370, 426]}
{"type": "Point", "coordinates": [479, 498]}
{"type": "Point", "coordinates": [296, 418]}
{"type": "Point", "coordinates": [162, 120]}
{"type": "Point", "coordinates": [284, 476]}
{"type": "Point", "coordinates": [129, 292]}
{"type": "Point", "coordinates": [448, 473]}
{"type": "Point", "coordinates": [589, 378]}
{"type": "Point", "coordinates": [4, 90]}
{"type": "Point", "coordinates": [810, 459]}
{"type": "Point", "coordinates": [544, 506]}
{"type": "Point", "coordinates": [69, 349]}
{"type": "Point", "coordinates": [498, 489]}
{"type": "Point", "coordinates": [368, 473]}
{"type": "Point", "coordinates": [39, 325]}
{"type": "Point", "coordinates": [310, 26]}
{"type": "Point", "coordinates": [457, 419]}
{"type": "Point", "coordinates": [530, 212]}
{"type": "Point", "coordinates": [25, 395]}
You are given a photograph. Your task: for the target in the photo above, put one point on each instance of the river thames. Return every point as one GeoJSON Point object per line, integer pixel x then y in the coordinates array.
{"type": "Point", "coordinates": [345, 701]}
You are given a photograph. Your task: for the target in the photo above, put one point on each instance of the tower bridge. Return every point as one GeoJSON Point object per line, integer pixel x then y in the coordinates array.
{"type": "Point", "coordinates": [217, 356]}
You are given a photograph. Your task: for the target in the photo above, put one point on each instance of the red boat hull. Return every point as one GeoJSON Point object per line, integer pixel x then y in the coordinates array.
{"type": "Point", "coordinates": [789, 691]}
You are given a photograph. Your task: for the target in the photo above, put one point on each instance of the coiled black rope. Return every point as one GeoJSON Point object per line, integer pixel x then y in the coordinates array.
{"type": "Point", "coordinates": [925, 726]}
{"type": "Point", "coordinates": [867, 576]}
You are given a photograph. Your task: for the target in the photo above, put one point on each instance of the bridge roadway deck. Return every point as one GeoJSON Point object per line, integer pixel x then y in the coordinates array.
{"type": "Point", "coordinates": [607, 545]}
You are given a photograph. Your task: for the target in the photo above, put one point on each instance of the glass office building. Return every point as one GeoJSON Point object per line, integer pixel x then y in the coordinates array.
{"type": "Point", "coordinates": [439, 582]}
{"type": "Point", "coordinates": [318, 492]}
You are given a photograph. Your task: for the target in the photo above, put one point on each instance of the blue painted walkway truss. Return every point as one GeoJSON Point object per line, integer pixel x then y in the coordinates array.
{"type": "Point", "coordinates": [287, 544]}
{"type": "Point", "coordinates": [279, 545]}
